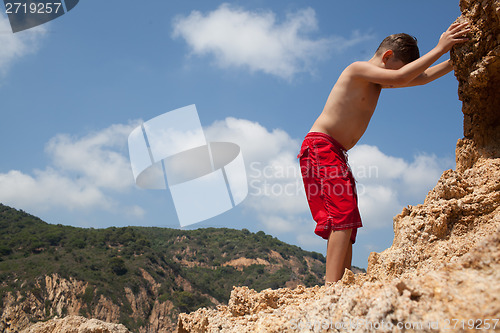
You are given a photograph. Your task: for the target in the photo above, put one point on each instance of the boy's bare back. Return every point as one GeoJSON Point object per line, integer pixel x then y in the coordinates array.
{"type": "Point", "coordinates": [353, 98]}
{"type": "Point", "coordinates": [348, 110]}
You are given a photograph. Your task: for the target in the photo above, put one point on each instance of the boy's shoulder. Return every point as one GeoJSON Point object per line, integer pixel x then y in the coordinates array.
{"type": "Point", "coordinates": [358, 70]}
{"type": "Point", "coordinates": [360, 66]}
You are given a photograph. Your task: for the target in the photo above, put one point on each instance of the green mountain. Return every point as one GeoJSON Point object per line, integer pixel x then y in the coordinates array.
{"type": "Point", "coordinates": [141, 277]}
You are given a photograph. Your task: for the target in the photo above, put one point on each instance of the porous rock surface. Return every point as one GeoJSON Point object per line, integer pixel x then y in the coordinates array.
{"type": "Point", "coordinates": [477, 68]}
{"type": "Point", "coordinates": [75, 324]}
{"type": "Point", "coordinates": [442, 271]}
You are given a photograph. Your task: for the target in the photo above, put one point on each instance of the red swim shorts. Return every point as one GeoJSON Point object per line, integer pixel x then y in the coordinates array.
{"type": "Point", "coordinates": [329, 185]}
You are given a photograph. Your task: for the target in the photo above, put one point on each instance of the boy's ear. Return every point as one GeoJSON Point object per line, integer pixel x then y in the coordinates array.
{"type": "Point", "coordinates": [387, 55]}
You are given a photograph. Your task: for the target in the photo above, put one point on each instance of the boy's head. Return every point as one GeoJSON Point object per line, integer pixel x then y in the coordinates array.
{"type": "Point", "coordinates": [402, 45]}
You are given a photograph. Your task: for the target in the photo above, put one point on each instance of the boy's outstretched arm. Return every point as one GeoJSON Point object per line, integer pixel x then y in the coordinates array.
{"type": "Point", "coordinates": [403, 76]}
{"type": "Point", "coordinates": [429, 75]}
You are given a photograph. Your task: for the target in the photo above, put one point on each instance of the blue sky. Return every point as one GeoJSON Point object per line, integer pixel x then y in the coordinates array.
{"type": "Point", "coordinates": [259, 73]}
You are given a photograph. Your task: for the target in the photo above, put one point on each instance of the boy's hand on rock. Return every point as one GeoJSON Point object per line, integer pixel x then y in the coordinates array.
{"type": "Point", "coordinates": [454, 35]}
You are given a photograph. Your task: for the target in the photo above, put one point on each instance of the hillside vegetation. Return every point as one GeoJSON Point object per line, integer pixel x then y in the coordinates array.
{"type": "Point", "coordinates": [191, 269]}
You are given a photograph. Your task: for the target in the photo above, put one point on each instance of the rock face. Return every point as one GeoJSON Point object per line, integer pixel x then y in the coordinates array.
{"type": "Point", "coordinates": [61, 293]}
{"type": "Point", "coordinates": [464, 206]}
{"type": "Point", "coordinates": [76, 324]}
{"type": "Point", "coordinates": [456, 216]}
{"type": "Point", "coordinates": [442, 270]}
{"type": "Point", "coordinates": [64, 297]}
{"type": "Point", "coordinates": [359, 303]}
{"type": "Point", "coordinates": [477, 68]}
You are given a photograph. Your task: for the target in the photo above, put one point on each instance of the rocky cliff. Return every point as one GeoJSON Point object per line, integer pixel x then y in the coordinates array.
{"type": "Point", "coordinates": [477, 68]}
{"type": "Point", "coordinates": [56, 297]}
{"type": "Point", "coordinates": [75, 324]}
{"type": "Point", "coordinates": [463, 207]}
{"type": "Point", "coordinates": [442, 271]}
{"type": "Point", "coordinates": [139, 277]}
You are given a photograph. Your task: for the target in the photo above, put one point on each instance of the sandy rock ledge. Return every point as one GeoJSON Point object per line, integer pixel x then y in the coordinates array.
{"type": "Point", "coordinates": [75, 324]}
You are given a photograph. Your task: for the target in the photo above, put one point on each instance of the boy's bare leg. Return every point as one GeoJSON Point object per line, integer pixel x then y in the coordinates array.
{"type": "Point", "coordinates": [348, 256]}
{"type": "Point", "coordinates": [336, 252]}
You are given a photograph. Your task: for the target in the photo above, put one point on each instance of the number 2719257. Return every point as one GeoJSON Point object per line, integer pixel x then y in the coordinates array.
{"type": "Point", "coordinates": [480, 324]}
{"type": "Point", "coordinates": [33, 8]}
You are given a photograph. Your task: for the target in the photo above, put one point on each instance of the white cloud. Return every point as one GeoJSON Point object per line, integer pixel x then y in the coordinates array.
{"type": "Point", "coordinates": [47, 189]}
{"type": "Point", "coordinates": [277, 223]}
{"type": "Point", "coordinates": [82, 174]}
{"type": "Point", "coordinates": [386, 183]}
{"type": "Point", "coordinates": [94, 156]}
{"type": "Point", "coordinates": [257, 41]}
{"type": "Point", "coordinates": [15, 46]}
{"type": "Point", "coordinates": [422, 174]}
{"type": "Point", "coordinates": [276, 198]}
{"type": "Point", "coordinates": [90, 172]}
{"type": "Point", "coordinates": [378, 204]}
{"type": "Point", "coordinates": [275, 194]}
{"type": "Point", "coordinates": [311, 241]}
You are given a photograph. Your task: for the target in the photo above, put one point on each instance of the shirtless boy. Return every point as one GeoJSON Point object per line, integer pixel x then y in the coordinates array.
{"type": "Point", "coordinates": [328, 181]}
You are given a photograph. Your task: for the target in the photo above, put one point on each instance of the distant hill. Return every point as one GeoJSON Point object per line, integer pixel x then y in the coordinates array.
{"type": "Point", "coordinates": [141, 277]}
